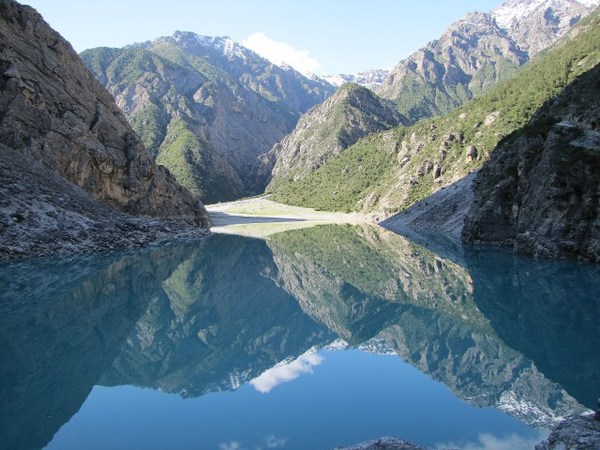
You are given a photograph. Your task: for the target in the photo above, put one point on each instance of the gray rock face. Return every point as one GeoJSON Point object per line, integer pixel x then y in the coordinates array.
{"type": "Point", "coordinates": [535, 25]}
{"type": "Point", "coordinates": [328, 129]}
{"type": "Point", "coordinates": [476, 52]}
{"type": "Point", "coordinates": [574, 433]}
{"type": "Point", "coordinates": [206, 107]}
{"type": "Point", "coordinates": [41, 213]}
{"type": "Point", "coordinates": [539, 191]}
{"type": "Point", "coordinates": [53, 111]}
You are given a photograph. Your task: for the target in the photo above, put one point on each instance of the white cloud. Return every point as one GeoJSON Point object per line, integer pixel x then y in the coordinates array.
{"type": "Point", "coordinates": [275, 442]}
{"type": "Point", "coordinates": [233, 445]}
{"type": "Point", "coordinates": [489, 442]}
{"type": "Point", "coordinates": [286, 372]}
{"type": "Point", "coordinates": [281, 53]}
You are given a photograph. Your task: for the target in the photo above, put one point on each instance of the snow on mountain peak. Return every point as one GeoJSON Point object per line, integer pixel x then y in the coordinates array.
{"type": "Point", "coordinates": [514, 10]}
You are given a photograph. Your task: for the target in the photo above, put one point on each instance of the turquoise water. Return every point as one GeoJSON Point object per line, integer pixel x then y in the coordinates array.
{"type": "Point", "coordinates": [313, 339]}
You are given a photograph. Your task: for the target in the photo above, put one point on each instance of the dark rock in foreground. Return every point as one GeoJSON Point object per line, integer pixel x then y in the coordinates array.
{"type": "Point", "coordinates": [539, 191]}
{"type": "Point", "coordinates": [386, 443]}
{"type": "Point", "coordinates": [580, 432]}
{"type": "Point", "coordinates": [574, 433]}
{"type": "Point", "coordinates": [42, 214]}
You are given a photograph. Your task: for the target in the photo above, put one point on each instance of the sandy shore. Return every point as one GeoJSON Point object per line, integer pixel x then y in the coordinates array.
{"type": "Point", "coordinates": [261, 217]}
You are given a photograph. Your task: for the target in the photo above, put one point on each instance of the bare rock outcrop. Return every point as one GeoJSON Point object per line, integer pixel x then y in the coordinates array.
{"type": "Point", "coordinates": [53, 111]}
{"type": "Point", "coordinates": [539, 192]}
{"type": "Point", "coordinates": [580, 432]}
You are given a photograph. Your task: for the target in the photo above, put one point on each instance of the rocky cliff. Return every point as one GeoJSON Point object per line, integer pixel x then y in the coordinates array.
{"type": "Point", "coordinates": [328, 129]}
{"type": "Point", "coordinates": [53, 111]}
{"type": "Point", "coordinates": [538, 193]}
{"type": "Point", "coordinates": [536, 24]}
{"type": "Point", "coordinates": [206, 107]}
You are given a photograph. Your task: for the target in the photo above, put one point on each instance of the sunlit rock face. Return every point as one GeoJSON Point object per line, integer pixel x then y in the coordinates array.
{"type": "Point", "coordinates": [55, 113]}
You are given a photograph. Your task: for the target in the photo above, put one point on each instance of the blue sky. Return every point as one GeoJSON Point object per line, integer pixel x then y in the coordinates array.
{"type": "Point", "coordinates": [324, 36]}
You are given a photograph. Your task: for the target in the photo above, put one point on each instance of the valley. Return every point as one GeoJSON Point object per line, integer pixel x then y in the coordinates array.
{"type": "Point", "coordinates": [202, 247]}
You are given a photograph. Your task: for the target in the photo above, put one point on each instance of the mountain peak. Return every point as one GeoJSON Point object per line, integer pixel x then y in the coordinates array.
{"type": "Point", "coordinates": [223, 44]}
{"type": "Point", "coordinates": [536, 24]}
{"type": "Point", "coordinates": [513, 11]}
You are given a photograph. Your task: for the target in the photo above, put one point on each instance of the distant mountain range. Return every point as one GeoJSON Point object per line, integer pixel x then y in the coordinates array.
{"type": "Point", "coordinates": [208, 108]}
{"type": "Point", "coordinates": [369, 78]}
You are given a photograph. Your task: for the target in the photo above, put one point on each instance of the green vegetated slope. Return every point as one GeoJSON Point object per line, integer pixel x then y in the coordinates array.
{"type": "Point", "coordinates": [387, 172]}
{"type": "Point", "coordinates": [328, 129]}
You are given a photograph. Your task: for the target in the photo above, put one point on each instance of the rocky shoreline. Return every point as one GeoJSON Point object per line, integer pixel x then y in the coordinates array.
{"type": "Point", "coordinates": [42, 214]}
{"type": "Point", "coordinates": [578, 432]}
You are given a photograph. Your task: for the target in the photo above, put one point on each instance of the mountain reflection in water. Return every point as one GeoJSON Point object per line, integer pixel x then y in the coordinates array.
{"type": "Point", "coordinates": [498, 330]}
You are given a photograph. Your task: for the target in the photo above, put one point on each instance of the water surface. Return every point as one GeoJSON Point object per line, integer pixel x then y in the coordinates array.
{"type": "Point", "coordinates": [314, 338]}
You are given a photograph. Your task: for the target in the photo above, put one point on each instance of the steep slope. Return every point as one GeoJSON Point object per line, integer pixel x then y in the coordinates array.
{"type": "Point", "coordinates": [538, 192]}
{"type": "Point", "coordinates": [53, 111]}
{"type": "Point", "coordinates": [206, 107]}
{"type": "Point", "coordinates": [387, 172]}
{"type": "Point", "coordinates": [476, 52]}
{"type": "Point", "coordinates": [328, 129]}
{"type": "Point", "coordinates": [42, 214]}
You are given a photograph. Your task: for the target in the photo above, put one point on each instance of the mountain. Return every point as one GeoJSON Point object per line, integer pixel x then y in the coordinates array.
{"type": "Point", "coordinates": [476, 52]}
{"type": "Point", "coordinates": [206, 107]}
{"type": "Point", "coordinates": [59, 127]}
{"type": "Point", "coordinates": [326, 130]}
{"type": "Point", "coordinates": [387, 172]}
{"type": "Point", "coordinates": [369, 78]}
{"type": "Point", "coordinates": [471, 55]}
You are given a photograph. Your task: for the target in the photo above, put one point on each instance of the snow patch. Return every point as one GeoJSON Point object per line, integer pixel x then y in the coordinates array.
{"type": "Point", "coordinates": [515, 10]}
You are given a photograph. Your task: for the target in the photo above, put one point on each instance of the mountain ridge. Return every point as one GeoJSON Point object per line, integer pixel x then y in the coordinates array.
{"type": "Point", "coordinates": [328, 129]}
{"type": "Point", "coordinates": [387, 172]}
{"type": "Point", "coordinates": [477, 51]}
{"type": "Point", "coordinates": [209, 117]}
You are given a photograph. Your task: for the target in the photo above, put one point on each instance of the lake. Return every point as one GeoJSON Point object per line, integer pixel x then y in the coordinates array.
{"type": "Point", "coordinates": [311, 339]}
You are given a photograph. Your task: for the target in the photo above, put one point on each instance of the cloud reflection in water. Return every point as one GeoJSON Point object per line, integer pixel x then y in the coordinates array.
{"type": "Point", "coordinates": [286, 371]}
